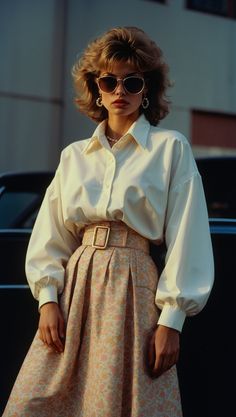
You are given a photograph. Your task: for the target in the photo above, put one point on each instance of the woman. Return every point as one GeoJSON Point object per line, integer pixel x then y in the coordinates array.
{"type": "Point", "coordinates": [109, 327]}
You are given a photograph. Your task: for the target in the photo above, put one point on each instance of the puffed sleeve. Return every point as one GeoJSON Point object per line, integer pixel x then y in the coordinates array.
{"type": "Point", "coordinates": [187, 278]}
{"type": "Point", "coordinates": [50, 245]}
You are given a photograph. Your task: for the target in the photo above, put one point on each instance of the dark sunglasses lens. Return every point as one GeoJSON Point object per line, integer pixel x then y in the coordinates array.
{"type": "Point", "coordinates": [107, 84]}
{"type": "Point", "coordinates": [133, 84]}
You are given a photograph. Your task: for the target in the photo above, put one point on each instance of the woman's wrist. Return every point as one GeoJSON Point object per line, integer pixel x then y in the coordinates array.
{"type": "Point", "coordinates": [47, 305]}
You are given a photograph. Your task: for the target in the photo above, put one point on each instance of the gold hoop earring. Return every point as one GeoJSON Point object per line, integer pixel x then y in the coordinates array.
{"type": "Point", "coordinates": [99, 101]}
{"type": "Point", "coordinates": [145, 103]}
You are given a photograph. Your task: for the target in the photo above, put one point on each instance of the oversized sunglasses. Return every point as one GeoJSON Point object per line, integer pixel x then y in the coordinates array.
{"type": "Point", "coordinates": [132, 84]}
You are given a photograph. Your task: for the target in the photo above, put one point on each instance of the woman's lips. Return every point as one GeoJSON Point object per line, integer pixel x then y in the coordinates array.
{"type": "Point", "coordinates": [120, 102]}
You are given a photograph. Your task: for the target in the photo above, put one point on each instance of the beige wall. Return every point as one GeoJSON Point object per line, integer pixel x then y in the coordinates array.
{"type": "Point", "coordinates": [199, 48]}
{"type": "Point", "coordinates": [31, 90]}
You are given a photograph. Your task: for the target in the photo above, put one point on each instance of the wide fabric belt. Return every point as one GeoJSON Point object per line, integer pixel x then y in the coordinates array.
{"type": "Point", "coordinates": [117, 234]}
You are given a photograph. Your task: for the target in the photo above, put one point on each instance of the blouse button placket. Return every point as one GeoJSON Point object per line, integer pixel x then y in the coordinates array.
{"type": "Point", "coordinates": [107, 183]}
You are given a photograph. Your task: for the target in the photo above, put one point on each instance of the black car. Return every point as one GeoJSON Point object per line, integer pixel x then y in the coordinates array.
{"type": "Point", "coordinates": [21, 195]}
{"type": "Point", "coordinates": [219, 181]}
{"type": "Point", "coordinates": [207, 363]}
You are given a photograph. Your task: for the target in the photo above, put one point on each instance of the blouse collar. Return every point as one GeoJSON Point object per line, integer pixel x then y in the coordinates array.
{"type": "Point", "coordinates": [139, 130]}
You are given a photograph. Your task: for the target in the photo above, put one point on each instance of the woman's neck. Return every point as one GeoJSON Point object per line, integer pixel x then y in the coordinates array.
{"type": "Point", "coordinates": [117, 127]}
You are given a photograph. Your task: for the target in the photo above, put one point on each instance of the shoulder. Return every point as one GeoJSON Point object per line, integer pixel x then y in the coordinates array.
{"type": "Point", "coordinates": [74, 148]}
{"type": "Point", "coordinates": [172, 143]}
{"type": "Point", "coordinates": [167, 136]}
{"type": "Point", "coordinates": [70, 157]}
{"type": "Point", "coordinates": [176, 151]}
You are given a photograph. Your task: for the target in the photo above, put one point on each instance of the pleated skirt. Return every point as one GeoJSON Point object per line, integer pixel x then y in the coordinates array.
{"type": "Point", "coordinates": [108, 304]}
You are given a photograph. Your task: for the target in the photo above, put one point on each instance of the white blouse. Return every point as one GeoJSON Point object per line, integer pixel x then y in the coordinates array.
{"type": "Point", "coordinates": [148, 180]}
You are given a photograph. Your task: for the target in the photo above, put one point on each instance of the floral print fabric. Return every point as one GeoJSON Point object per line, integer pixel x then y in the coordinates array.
{"type": "Point", "coordinates": [109, 309]}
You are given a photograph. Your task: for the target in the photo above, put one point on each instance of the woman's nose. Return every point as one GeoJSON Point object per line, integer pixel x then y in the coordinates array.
{"type": "Point", "coordinates": [120, 88]}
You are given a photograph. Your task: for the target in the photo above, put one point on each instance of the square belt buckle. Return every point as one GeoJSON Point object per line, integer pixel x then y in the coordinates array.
{"type": "Point", "coordinates": [94, 245]}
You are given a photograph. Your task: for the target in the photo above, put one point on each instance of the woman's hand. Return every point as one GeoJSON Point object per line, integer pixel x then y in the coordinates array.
{"type": "Point", "coordinates": [163, 350]}
{"type": "Point", "coordinates": [51, 326]}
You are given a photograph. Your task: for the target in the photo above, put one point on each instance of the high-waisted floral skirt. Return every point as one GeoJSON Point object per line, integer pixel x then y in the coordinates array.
{"type": "Point", "coordinates": [108, 304]}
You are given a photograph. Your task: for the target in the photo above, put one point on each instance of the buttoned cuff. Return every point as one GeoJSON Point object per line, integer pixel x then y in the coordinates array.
{"type": "Point", "coordinates": [172, 317]}
{"type": "Point", "coordinates": [48, 294]}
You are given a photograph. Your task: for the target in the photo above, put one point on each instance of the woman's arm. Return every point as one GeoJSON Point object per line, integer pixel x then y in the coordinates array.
{"type": "Point", "coordinates": [187, 278]}
{"type": "Point", "coordinates": [51, 245]}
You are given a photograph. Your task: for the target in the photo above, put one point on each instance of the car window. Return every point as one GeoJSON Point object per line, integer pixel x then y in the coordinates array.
{"type": "Point", "coordinates": [13, 204]}
{"type": "Point", "coordinates": [30, 220]}
{"type": "Point", "coordinates": [219, 182]}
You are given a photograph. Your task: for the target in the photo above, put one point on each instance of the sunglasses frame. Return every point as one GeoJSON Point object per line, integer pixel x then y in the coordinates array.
{"type": "Point", "coordinates": [122, 81]}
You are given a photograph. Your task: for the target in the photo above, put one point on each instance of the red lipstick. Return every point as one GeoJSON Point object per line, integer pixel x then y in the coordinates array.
{"type": "Point", "coordinates": [120, 101]}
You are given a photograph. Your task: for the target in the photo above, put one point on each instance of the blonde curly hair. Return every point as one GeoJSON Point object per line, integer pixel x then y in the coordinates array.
{"type": "Point", "coordinates": [130, 45]}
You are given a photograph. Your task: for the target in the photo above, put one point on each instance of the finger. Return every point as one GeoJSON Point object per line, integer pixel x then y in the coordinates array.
{"type": "Point", "coordinates": [176, 358]}
{"type": "Point", "coordinates": [47, 336]}
{"type": "Point", "coordinates": [158, 366]}
{"type": "Point", "coordinates": [40, 336]}
{"type": "Point", "coordinates": [42, 333]}
{"type": "Point", "coordinates": [56, 340]}
{"type": "Point", "coordinates": [43, 336]}
{"type": "Point", "coordinates": [151, 353]}
{"type": "Point", "coordinates": [168, 362]}
{"type": "Point", "coordinates": [48, 340]}
{"type": "Point", "coordinates": [61, 328]}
